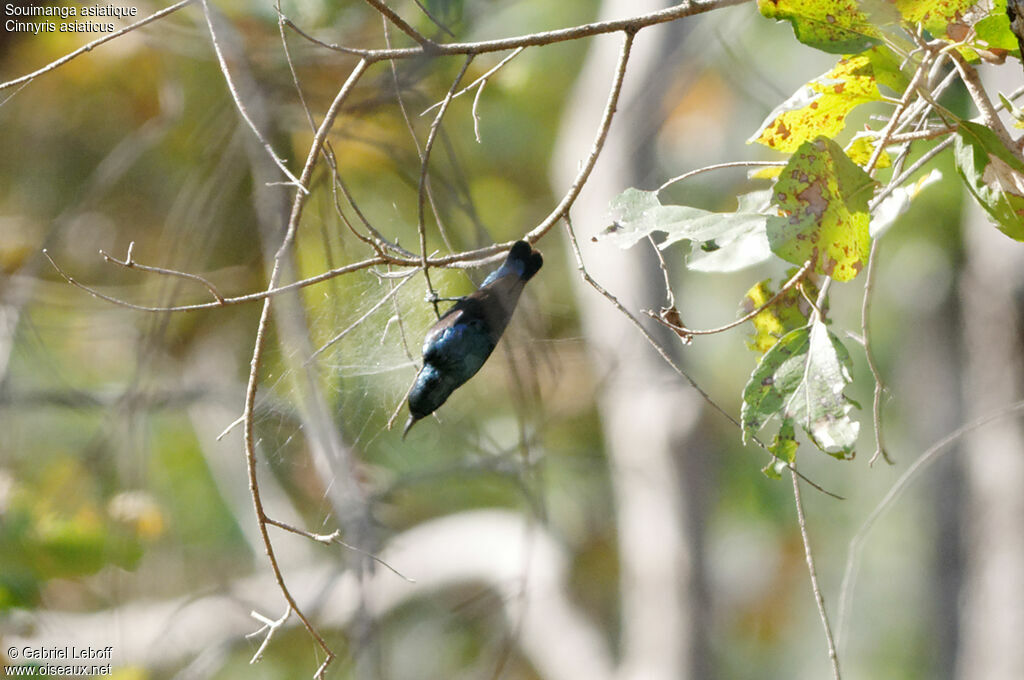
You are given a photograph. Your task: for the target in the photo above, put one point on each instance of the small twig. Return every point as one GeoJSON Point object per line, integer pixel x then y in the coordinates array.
{"type": "Point", "coordinates": [686, 332]}
{"type": "Point", "coordinates": [926, 133]}
{"type": "Point", "coordinates": [876, 401]}
{"type": "Point", "coordinates": [416, 143]}
{"type": "Point", "coordinates": [901, 107]}
{"type": "Point", "coordinates": [129, 263]}
{"type": "Point", "coordinates": [424, 181]}
{"type": "Point", "coordinates": [281, 20]}
{"type": "Point", "coordinates": [435, 20]}
{"type": "Point", "coordinates": [670, 298]}
{"type": "Point", "coordinates": [905, 175]}
{"type": "Point", "coordinates": [401, 24]}
{"type": "Point", "coordinates": [271, 626]}
{"type": "Point", "coordinates": [227, 430]}
{"type": "Point", "coordinates": [335, 537]}
{"type": "Point", "coordinates": [988, 112]}
{"type": "Point", "coordinates": [479, 81]}
{"type": "Point", "coordinates": [239, 299]}
{"type": "Point", "coordinates": [95, 43]}
{"type": "Point", "coordinates": [719, 166]}
{"type": "Point", "coordinates": [809, 555]}
{"type": "Point", "coordinates": [473, 111]}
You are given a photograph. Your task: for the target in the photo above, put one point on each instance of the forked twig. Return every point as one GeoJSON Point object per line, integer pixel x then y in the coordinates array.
{"type": "Point", "coordinates": [129, 263]}
{"type": "Point", "coordinates": [685, 333]}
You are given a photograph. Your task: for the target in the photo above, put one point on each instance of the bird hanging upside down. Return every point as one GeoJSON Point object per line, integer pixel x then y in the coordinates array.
{"type": "Point", "coordinates": [460, 342]}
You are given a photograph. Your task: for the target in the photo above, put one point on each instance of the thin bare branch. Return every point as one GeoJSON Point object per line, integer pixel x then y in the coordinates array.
{"type": "Point", "coordinates": [271, 626]}
{"type": "Point", "coordinates": [879, 391]}
{"type": "Point", "coordinates": [533, 39]}
{"type": "Point", "coordinates": [989, 113]}
{"type": "Point", "coordinates": [335, 537]}
{"type": "Point", "coordinates": [479, 81]}
{"type": "Point", "coordinates": [401, 24]}
{"type": "Point", "coordinates": [719, 166]}
{"type": "Point", "coordinates": [240, 105]}
{"type": "Point", "coordinates": [248, 412]}
{"type": "Point", "coordinates": [424, 181]}
{"type": "Point", "coordinates": [562, 209]}
{"type": "Point", "coordinates": [240, 299]}
{"type": "Point", "coordinates": [809, 556]}
{"type": "Point", "coordinates": [129, 263]}
{"type": "Point", "coordinates": [686, 332]}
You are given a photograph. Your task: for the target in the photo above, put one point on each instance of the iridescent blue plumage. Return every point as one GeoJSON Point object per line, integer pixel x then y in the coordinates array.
{"type": "Point", "coordinates": [459, 343]}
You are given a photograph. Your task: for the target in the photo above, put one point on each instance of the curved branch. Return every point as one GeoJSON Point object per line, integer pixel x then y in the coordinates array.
{"type": "Point", "coordinates": [632, 24]}
{"type": "Point", "coordinates": [562, 209]}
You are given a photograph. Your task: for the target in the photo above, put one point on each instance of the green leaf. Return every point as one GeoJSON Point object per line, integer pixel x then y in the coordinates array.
{"type": "Point", "coordinates": [995, 29]}
{"type": "Point", "coordinates": [721, 241]}
{"type": "Point", "coordinates": [935, 15]}
{"type": "Point", "coordinates": [822, 197]}
{"type": "Point", "coordinates": [802, 379]}
{"type": "Point", "coordinates": [783, 447]}
{"type": "Point", "coordinates": [885, 66]}
{"type": "Point", "coordinates": [836, 26]}
{"type": "Point", "coordinates": [993, 175]}
{"type": "Point", "coordinates": [820, 107]}
{"type": "Point", "coordinates": [861, 147]}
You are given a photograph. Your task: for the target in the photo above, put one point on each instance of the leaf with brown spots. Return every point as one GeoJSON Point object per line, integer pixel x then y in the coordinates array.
{"type": "Point", "coordinates": [822, 200]}
{"type": "Point", "coordinates": [836, 26]}
{"type": "Point", "coordinates": [820, 107]}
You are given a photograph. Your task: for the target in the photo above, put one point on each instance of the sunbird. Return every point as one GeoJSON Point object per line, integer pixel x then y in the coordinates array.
{"type": "Point", "coordinates": [459, 343]}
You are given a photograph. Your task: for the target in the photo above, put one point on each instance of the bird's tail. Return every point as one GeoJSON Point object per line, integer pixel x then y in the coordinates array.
{"type": "Point", "coordinates": [522, 261]}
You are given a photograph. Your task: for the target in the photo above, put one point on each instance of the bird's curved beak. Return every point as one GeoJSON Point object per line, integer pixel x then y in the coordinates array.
{"type": "Point", "coordinates": [408, 425]}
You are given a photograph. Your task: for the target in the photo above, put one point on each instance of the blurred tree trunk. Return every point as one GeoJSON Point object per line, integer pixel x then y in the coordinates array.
{"type": "Point", "coordinates": [647, 413]}
{"type": "Point", "coordinates": [992, 613]}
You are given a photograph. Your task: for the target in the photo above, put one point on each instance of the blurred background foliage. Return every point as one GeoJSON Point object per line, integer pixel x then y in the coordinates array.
{"type": "Point", "coordinates": [112, 484]}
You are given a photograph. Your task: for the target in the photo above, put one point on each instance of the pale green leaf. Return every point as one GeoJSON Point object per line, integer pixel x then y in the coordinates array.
{"type": "Point", "coordinates": [802, 379]}
{"type": "Point", "coordinates": [720, 241]}
{"type": "Point", "coordinates": [993, 175]}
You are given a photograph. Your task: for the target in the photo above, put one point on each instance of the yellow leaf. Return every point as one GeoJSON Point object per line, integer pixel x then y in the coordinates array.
{"type": "Point", "coordinates": [820, 107]}
{"type": "Point", "coordinates": [860, 149]}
